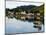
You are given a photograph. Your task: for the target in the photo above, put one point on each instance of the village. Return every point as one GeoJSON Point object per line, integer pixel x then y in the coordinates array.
{"type": "Point", "coordinates": [31, 17]}
{"type": "Point", "coordinates": [23, 15]}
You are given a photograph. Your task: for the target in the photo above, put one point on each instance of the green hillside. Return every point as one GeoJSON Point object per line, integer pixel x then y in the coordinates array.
{"type": "Point", "coordinates": [39, 9]}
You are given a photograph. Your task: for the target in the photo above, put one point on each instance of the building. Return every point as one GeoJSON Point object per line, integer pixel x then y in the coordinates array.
{"type": "Point", "coordinates": [23, 12]}
{"type": "Point", "coordinates": [23, 18]}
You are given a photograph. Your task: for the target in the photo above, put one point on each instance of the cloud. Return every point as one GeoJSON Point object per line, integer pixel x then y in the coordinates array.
{"type": "Point", "coordinates": [13, 4]}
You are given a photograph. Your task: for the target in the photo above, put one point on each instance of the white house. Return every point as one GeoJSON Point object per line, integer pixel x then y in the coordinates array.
{"type": "Point", "coordinates": [30, 14]}
{"type": "Point", "coordinates": [38, 14]}
{"type": "Point", "coordinates": [23, 17]}
{"type": "Point", "coordinates": [23, 12]}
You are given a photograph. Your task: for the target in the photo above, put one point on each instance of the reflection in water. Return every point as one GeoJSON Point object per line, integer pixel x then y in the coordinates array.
{"type": "Point", "coordinates": [17, 26]}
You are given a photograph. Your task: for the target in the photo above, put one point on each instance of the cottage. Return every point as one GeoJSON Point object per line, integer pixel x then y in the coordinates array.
{"type": "Point", "coordinates": [23, 18]}
{"type": "Point", "coordinates": [29, 17]}
{"type": "Point", "coordinates": [23, 12]}
{"type": "Point", "coordinates": [38, 18]}
{"type": "Point", "coordinates": [38, 14]}
{"type": "Point", "coordinates": [30, 14]}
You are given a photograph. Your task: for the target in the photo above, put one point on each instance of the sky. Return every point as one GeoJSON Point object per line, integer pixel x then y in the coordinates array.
{"type": "Point", "coordinates": [13, 4]}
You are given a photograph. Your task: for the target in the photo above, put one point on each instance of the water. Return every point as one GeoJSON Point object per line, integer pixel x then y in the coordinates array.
{"type": "Point", "coordinates": [18, 26]}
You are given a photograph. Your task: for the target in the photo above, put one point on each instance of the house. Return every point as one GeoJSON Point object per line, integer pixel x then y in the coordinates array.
{"type": "Point", "coordinates": [30, 14]}
{"type": "Point", "coordinates": [23, 18]}
{"type": "Point", "coordinates": [38, 14]}
{"type": "Point", "coordinates": [38, 18]}
{"type": "Point", "coordinates": [23, 12]}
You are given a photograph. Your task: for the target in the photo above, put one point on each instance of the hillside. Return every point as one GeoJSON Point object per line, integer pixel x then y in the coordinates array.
{"type": "Point", "coordinates": [39, 8]}
{"type": "Point", "coordinates": [27, 9]}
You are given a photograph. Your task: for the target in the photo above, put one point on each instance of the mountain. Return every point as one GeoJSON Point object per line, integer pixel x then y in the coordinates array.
{"type": "Point", "coordinates": [24, 8]}
{"type": "Point", "coordinates": [38, 8]}
{"type": "Point", "coordinates": [29, 8]}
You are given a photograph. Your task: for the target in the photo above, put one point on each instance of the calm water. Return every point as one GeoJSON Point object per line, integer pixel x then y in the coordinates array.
{"type": "Point", "coordinates": [18, 26]}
